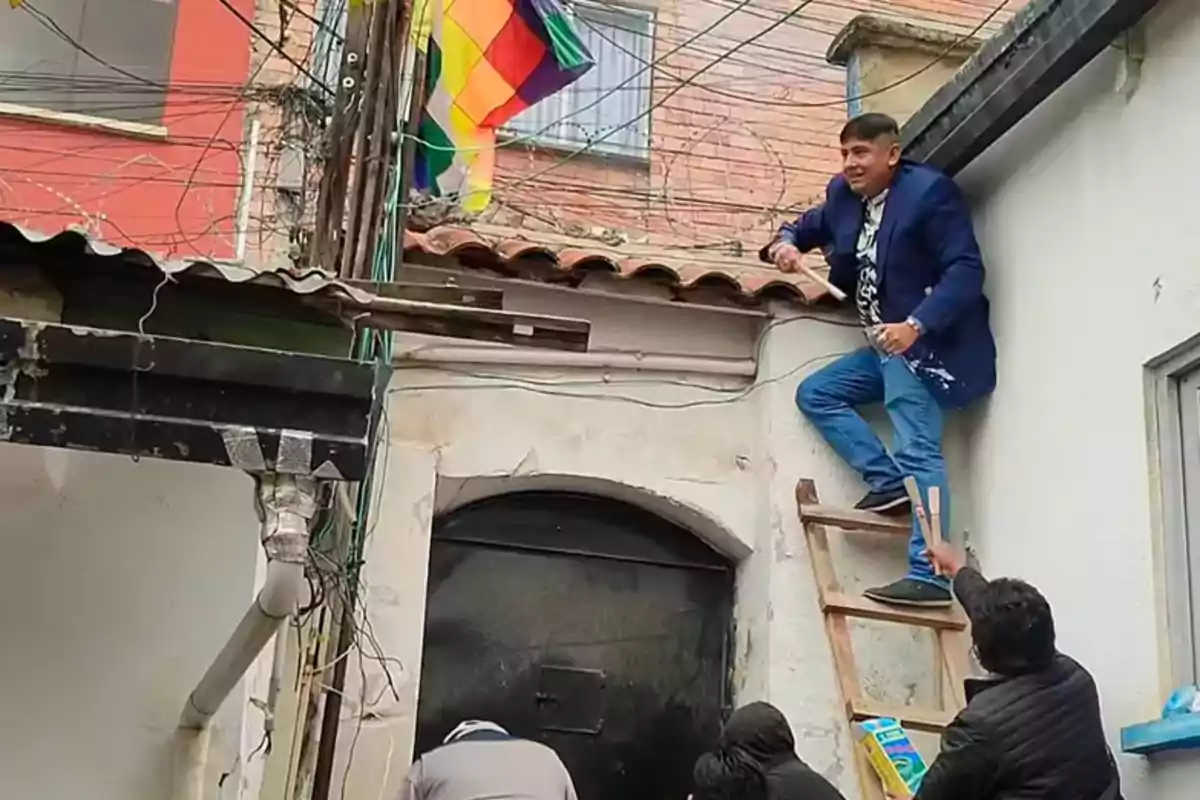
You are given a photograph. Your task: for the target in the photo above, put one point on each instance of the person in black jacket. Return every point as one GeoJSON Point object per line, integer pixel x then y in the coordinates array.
{"type": "Point", "coordinates": [721, 775]}
{"type": "Point", "coordinates": [1032, 729]}
{"type": "Point", "coordinates": [755, 759]}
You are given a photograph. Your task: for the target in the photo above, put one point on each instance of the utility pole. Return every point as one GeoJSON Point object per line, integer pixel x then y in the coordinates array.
{"type": "Point", "coordinates": [361, 147]}
{"type": "Point", "coordinates": [363, 150]}
{"type": "Point", "coordinates": [374, 139]}
{"type": "Point", "coordinates": [331, 199]}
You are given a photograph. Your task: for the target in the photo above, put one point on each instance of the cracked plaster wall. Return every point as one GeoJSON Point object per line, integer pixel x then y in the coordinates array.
{"type": "Point", "coordinates": [726, 470]}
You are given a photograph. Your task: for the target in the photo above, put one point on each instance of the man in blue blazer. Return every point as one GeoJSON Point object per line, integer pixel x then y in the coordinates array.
{"type": "Point", "coordinates": [899, 241]}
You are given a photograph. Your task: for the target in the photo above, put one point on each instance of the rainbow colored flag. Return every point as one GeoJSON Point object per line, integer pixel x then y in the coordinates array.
{"type": "Point", "coordinates": [486, 61]}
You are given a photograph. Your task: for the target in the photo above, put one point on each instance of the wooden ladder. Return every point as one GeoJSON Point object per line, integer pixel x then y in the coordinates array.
{"type": "Point", "coordinates": [949, 624]}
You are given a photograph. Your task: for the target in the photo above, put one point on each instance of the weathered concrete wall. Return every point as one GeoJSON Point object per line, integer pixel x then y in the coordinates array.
{"type": "Point", "coordinates": [119, 584]}
{"type": "Point", "coordinates": [885, 84]}
{"type": "Point", "coordinates": [1084, 212]}
{"type": "Point", "coordinates": [719, 456]}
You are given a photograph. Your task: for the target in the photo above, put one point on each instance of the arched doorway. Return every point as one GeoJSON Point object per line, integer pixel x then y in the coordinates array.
{"type": "Point", "coordinates": [585, 623]}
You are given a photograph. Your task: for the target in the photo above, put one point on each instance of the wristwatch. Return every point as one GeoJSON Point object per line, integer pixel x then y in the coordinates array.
{"type": "Point", "coordinates": [916, 325]}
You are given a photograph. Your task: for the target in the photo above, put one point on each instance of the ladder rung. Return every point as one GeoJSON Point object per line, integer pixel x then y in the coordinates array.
{"type": "Point", "coordinates": [854, 520]}
{"type": "Point", "coordinates": [861, 607]}
{"type": "Point", "coordinates": [918, 719]}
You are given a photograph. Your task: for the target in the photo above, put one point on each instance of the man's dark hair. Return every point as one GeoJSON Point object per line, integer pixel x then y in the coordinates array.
{"type": "Point", "coordinates": [1012, 628]}
{"type": "Point", "coordinates": [869, 127]}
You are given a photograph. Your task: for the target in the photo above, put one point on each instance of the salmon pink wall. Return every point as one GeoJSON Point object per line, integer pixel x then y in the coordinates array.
{"type": "Point", "coordinates": [175, 194]}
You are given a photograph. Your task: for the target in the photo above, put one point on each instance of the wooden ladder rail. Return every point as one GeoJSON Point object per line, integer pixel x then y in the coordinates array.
{"type": "Point", "coordinates": [838, 608]}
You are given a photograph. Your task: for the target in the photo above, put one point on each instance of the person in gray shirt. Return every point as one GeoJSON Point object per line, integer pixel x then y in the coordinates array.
{"type": "Point", "coordinates": [479, 760]}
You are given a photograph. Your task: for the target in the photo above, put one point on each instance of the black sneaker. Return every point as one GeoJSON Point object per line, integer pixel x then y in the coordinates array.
{"type": "Point", "coordinates": [893, 501]}
{"type": "Point", "coordinates": [908, 592]}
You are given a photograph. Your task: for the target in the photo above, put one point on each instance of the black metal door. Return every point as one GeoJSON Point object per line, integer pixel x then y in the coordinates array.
{"type": "Point", "coordinates": [595, 627]}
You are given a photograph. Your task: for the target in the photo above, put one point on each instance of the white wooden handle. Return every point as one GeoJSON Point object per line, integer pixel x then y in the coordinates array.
{"type": "Point", "coordinates": [837, 293]}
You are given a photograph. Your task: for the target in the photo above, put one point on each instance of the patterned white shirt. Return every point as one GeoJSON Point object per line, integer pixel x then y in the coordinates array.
{"type": "Point", "coordinates": [866, 297]}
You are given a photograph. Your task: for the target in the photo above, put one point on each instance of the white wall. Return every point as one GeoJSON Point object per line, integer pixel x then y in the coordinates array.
{"type": "Point", "coordinates": [718, 455]}
{"type": "Point", "coordinates": [1087, 217]}
{"type": "Point", "coordinates": [119, 582]}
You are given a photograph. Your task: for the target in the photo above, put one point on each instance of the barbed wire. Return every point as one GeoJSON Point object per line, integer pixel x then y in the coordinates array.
{"type": "Point", "coordinates": [800, 158]}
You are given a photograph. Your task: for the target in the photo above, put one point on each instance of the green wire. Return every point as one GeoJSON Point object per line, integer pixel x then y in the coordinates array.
{"type": "Point", "coordinates": [376, 346]}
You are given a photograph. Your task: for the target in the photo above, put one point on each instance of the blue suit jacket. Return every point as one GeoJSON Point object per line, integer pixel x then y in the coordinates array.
{"type": "Point", "coordinates": [929, 268]}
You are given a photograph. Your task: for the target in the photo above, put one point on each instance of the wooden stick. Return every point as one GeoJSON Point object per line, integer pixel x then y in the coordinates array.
{"type": "Point", "coordinates": [808, 271]}
{"type": "Point", "coordinates": [918, 504]}
{"type": "Point", "coordinates": [935, 521]}
{"type": "Point", "coordinates": [935, 513]}
{"type": "Point", "coordinates": [812, 274]}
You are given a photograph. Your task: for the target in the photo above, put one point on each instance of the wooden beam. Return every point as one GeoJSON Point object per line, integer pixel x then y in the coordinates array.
{"type": "Point", "coordinates": [483, 324]}
{"type": "Point", "coordinates": [433, 293]}
{"type": "Point", "coordinates": [854, 520]}
{"type": "Point", "coordinates": [155, 396]}
{"type": "Point", "coordinates": [863, 608]}
{"type": "Point", "coordinates": [930, 720]}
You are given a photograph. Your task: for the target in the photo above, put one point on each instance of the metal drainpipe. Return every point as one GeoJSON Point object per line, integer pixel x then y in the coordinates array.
{"type": "Point", "coordinates": [287, 504]}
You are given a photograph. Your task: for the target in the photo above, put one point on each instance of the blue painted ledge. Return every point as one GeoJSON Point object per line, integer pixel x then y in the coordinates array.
{"type": "Point", "coordinates": [1161, 735]}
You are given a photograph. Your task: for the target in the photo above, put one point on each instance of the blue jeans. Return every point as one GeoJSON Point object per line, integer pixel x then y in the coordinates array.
{"type": "Point", "coordinates": [828, 398]}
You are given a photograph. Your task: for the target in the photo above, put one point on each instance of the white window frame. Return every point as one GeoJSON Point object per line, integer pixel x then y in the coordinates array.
{"type": "Point", "coordinates": [563, 136]}
{"type": "Point", "coordinates": [1173, 405]}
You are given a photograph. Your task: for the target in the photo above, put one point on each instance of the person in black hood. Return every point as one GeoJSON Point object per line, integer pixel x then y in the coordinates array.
{"type": "Point", "coordinates": [1033, 728]}
{"type": "Point", "coordinates": [721, 775]}
{"type": "Point", "coordinates": [756, 759]}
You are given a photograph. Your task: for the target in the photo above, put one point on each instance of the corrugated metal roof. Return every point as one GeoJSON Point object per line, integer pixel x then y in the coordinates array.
{"type": "Point", "coordinates": [322, 290]}
{"type": "Point", "coordinates": [311, 282]}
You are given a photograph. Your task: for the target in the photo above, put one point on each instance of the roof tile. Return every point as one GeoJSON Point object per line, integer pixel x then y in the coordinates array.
{"type": "Point", "coordinates": [505, 249]}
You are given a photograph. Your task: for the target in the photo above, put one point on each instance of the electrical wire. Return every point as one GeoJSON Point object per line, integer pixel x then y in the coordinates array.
{"type": "Point", "coordinates": [323, 24]}
{"type": "Point", "coordinates": [553, 388]}
{"type": "Point", "coordinates": [46, 21]}
{"type": "Point", "coordinates": [189, 102]}
{"type": "Point", "coordinates": [895, 9]}
{"type": "Point", "coordinates": [657, 64]}
{"type": "Point", "coordinates": [753, 99]}
{"type": "Point", "coordinates": [587, 198]}
{"type": "Point", "coordinates": [839, 101]}
{"type": "Point", "coordinates": [683, 82]}
{"type": "Point", "coordinates": [575, 112]}
{"type": "Point", "coordinates": [200, 103]}
{"type": "Point", "coordinates": [257, 31]}
{"type": "Point", "coordinates": [508, 189]}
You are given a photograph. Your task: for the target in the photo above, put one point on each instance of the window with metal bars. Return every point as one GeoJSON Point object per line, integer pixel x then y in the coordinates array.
{"type": "Point", "coordinates": [608, 108]}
